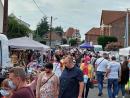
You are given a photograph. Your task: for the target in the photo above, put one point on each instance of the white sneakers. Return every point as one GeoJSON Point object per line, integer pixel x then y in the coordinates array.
{"type": "Point", "coordinates": [117, 96]}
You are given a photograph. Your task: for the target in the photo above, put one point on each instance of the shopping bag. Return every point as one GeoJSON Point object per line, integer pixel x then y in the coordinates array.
{"type": "Point", "coordinates": [127, 86]}
{"type": "Point", "coordinates": [91, 85]}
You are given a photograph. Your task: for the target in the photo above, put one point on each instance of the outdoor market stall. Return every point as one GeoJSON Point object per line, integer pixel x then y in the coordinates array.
{"type": "Point", "coordinates": [86, 45]}
{"type": "Point", "coordinates": [124, 51]}
{"type": "Point", "coordinates": [27, 43]}
{"type": "Point", "coordinates": [25, 47]}
{"type": "Point", "coordinates": [65, 45]}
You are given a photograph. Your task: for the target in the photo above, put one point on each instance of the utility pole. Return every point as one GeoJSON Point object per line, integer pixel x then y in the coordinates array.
{"type": "Point", "coordinates": [127, 29]}
{"type": "Point", "coordinates": [5, 17]}
{"type": "Point", "coordinates": [51, 30]}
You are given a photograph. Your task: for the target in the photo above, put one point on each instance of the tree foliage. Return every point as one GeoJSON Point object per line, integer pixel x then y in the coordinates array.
{"type": "Point", "coordinates": [73, 42]}
{"type": "Point", "coordinates": [104, 40]}
{"type": "Point", "coordinates": [15, 29]}
{"type": "Point", "coordinates": [42, 27]}
{"type": "Point", "coordinates": [64, 41]}
{"type": "Point", "coordinates": [43, 42]}
{"type": "Point", "coordinates": [59, 30]}
{"type": "Point", "coordinates": [82, 41]}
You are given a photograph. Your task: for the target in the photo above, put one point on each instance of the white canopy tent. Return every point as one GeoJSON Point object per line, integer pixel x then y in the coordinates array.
{"type": "Point", "coordinates": [65, 45]}
{"type": "Point", "coordinates": [124, 51]}
{"type": "Point", "coordinates": [27, 43]}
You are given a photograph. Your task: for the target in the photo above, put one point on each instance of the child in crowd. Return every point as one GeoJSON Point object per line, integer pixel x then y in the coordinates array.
{"type": "Point", "coordinates": [6, 88]}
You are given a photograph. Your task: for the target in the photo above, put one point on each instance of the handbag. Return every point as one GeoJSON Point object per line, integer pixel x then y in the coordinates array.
{"type": "Point", "coordinates": [91, 85]}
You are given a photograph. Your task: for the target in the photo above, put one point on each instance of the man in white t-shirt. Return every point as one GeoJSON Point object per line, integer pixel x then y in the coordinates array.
{"type": "Point", "coordinates": [113, 74]}
{"type": "Point", "coordinates": [101, 65]}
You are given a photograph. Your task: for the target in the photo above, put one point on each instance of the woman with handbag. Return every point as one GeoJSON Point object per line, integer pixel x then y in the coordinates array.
{"type": "Point", "coordinates": [47, 83]}
{"type": "Point", "coordinates": [124, 76]}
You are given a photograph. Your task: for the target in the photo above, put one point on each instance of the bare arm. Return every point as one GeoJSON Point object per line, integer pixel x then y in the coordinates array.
{"type": "Point", "coordinates": [120, 72]}
{"type": "Point", "coordinates": [56, 87]}
{"type": "Point", "coordinates": [81, 87]}
{"type": "Point", "coordinates": [107, 72]}
{"type": "Point", "coordinates": [33, 84]}
{"type": "Point", "coordinates": [38, 85]}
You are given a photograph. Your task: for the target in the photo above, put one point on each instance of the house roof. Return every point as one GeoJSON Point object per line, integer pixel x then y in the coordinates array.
{"type": "Point", "coordinates": [109, 16]}
{"type": "Point", "coordinates": [93, 31]}
{"type": "Point", "coordinates": [54, 36]}
{"type": "Point", "coordinates": [70, 32]}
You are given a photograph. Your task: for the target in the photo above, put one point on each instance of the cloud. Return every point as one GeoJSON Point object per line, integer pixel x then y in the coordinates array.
{"type": "Point", "coordinates": [81, 14]}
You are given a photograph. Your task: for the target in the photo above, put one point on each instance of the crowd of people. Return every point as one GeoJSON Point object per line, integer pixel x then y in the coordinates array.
{"type": "Point", "coordinates": [67, 74]}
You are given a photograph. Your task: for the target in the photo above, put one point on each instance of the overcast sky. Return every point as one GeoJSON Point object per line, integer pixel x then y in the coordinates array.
{"type": "Point", "coordinates": [80, 14]}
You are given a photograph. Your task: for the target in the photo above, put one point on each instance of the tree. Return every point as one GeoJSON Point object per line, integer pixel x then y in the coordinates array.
{"type": "Point", "coordinates": [59, 30]}
{"type": "Point", "coordinates": [43, 42]}
{"type": "Point", "coordinates": [42, 27]}
{"type": "Point", "coordinates": [104, 40]}
{"type": "Point", "coordinates": [73, 42]}
{"type": "Point", "coordinates": [64, 41]}
{"type": "Point", "coordinates": [82, 41]}
{"type": "Point", "coordinates": [15, 29]}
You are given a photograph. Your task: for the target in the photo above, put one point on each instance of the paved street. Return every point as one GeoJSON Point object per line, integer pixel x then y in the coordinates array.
{"type": "Point", "coordinates": [93, 93]}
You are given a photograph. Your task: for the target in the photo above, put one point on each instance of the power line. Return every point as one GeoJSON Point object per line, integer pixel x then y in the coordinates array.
{"type": "Point", "coordinates": [39, 8]}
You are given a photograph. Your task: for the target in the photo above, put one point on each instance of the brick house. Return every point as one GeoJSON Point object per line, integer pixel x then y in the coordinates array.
{"type": "Point", "coordinates": [56, 39]}
{"type": "Point", "coordinates": [113, 24]}
{"type": "Point", "coordinates": [72, 33]}
{"type": "Point", "coordinates": [92, 35]}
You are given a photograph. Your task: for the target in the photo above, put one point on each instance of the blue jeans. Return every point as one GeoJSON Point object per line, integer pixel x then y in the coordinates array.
{"type": "Point", "coordinates": [100, 78]}
{"type": "Point", "coordinates": [112, 88]}
{"type": "Point", "coordinates": [122, 87]}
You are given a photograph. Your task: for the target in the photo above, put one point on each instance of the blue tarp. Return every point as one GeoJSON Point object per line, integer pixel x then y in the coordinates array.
{"type": "Point", "coordinates": [86, 45]}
